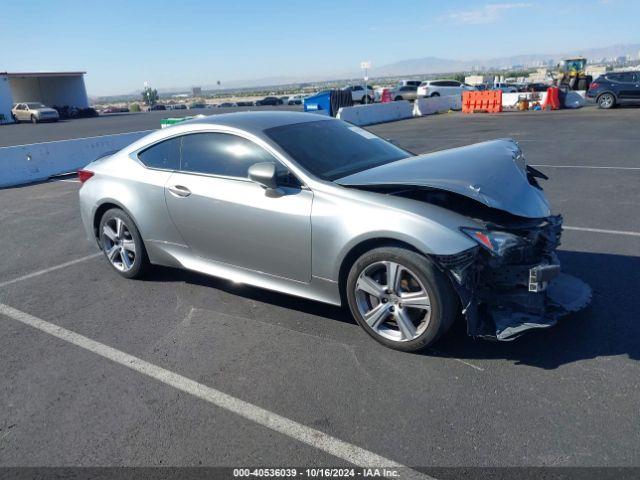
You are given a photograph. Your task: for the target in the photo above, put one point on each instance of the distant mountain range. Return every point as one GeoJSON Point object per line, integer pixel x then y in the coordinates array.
{"type": "Point", "coordinates": [441, 65]}
{"type": "Point", "coordinates": [422, 66]}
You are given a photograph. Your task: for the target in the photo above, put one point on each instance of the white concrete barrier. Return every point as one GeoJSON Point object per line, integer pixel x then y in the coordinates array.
{"type": "Point", "coordinates": [430, 105]}
{"type": "Point", "coordinates": [39, 161]}
{"type": "Point", "coordinates": [510, 100]}
{"type": "Point", "coordinates": [574, 99]}
{"type": "Point", "coordinates": [376, 113]}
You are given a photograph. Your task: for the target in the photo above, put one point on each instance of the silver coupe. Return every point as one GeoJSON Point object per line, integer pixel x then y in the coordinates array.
{"type": "Point", "coordinates": [316, 207]}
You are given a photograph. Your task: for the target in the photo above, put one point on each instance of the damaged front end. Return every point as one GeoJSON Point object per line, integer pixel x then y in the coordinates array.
{"type": "Point", "coordinates": [512, 282]}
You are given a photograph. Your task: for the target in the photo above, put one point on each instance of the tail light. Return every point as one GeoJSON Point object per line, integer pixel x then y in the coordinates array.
{"type": "Point", "coordinates": [593, 86]}
{"type": "Point", "coordinates": [84, 175]}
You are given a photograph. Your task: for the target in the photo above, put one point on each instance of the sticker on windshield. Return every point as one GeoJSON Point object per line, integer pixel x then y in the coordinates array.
{"type": "Point", "coordinates": [363, 132]}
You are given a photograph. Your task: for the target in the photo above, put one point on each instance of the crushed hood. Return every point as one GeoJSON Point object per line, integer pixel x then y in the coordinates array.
{"type": "Point", "coordinates": [493, 173]}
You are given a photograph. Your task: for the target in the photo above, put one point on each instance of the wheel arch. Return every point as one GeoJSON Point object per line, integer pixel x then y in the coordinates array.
{"type": "Point", "coordinates": [604, 92]}
{"type": "Point", "coordinates": [362, 247]}
{"type": "Point", "coordinates": [103, 208]}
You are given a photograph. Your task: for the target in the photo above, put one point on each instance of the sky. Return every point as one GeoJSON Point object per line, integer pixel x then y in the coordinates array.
{"type": "Point", "coordinates": [181, 43]}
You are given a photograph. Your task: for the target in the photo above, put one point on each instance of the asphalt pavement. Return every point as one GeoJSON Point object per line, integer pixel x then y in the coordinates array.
{"type": "Point", "coordinates": [27, 133]}
{"type": "Point", "coordinates": [567, 396]}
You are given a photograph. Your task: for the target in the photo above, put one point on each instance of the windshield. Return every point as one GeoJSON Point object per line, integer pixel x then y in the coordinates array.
{"type": "Point", "coordinates": [334, 149]}
{"type": "Point", "coordinates": [33, 105]}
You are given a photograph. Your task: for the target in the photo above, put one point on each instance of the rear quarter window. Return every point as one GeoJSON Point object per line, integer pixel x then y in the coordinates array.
{"type": "Point", "coordinates": [621, 77]}
{"type": "Point", "coordinates": [164, 155]}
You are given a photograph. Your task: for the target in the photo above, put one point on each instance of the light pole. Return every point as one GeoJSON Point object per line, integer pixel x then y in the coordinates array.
{"type": "Point", "coordinates": [366, 66]}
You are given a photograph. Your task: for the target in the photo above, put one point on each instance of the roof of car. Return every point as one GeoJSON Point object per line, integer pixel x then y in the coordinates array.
{"type": "Point", "coordinates": [258, 121]}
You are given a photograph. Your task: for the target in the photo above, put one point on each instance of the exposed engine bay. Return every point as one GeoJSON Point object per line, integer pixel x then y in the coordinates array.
{"type": "Point", "coordinates": [511, 282]}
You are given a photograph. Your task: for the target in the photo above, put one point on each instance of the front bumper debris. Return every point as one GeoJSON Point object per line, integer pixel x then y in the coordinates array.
{"type": "Point", "coordinates": [522, 290]}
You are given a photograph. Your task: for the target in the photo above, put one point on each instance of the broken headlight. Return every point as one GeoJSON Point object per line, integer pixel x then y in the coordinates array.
{"type": "Point", "coordinates": [496, 242]}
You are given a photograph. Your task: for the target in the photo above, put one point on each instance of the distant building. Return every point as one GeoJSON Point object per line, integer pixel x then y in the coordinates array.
{"type": "Point", "coordinates": [541, 75]}
{"type": "Point", "coordinates": [477, 79]}
{"type": "Point", "coordinates": [50, 88]}
{"type": "Point", "coordinates": [196, 91]}
{"type": "Point", "coordinates": [595, 70]}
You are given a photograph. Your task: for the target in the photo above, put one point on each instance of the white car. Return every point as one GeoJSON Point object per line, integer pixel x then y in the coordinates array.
{"type": "Point", "coordinates": [359, 94]}
{"type": "Point", "coordinates": [34, 112]}
{"type": "Point", "coordinates": [442, 88]}
{"type": "Point", "coordinates": [505, 87]}
{"type": "Point", "coordinates": [295, 99]}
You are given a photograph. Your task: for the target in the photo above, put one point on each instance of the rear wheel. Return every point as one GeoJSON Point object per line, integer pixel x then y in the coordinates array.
{"type": "Point", "coordinates": [606, 101]}
{"type": "Point", "coordinates": [121, 244]}
{"type": "Point", "coordinates": [435, 94]}
{"type": "Point", "coordinates": [398, 98]}
{"type": "Point", "coordinates": [400, 298]}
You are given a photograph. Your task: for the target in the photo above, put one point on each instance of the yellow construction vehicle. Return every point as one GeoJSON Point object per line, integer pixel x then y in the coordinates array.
{"type": "Point", "coordinates": [571, 74]}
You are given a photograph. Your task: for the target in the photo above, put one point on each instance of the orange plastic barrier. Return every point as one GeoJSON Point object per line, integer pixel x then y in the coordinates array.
{"type": "Point", "coordinates": [489, 101]}
{"type": "Point", "coordinates": [552, 101]}
{"type": "Point", "coordinates": [386, 96]}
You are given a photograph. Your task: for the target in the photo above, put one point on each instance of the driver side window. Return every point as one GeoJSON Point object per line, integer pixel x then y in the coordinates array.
{"type": "Point", "coordinates": [225, 155]}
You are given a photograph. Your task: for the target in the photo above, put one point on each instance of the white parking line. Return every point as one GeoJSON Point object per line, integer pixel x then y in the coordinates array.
{"type": "Point", "coordinates": [595, 167]}
{"type": "Point", "coordinates": [310, 436]}
{"type": "Point", "coordinates": [50, 269]}
{"type": "Point", "coordinates": [600, 230]}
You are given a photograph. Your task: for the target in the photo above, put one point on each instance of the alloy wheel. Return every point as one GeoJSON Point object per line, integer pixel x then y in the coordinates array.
{"type": "Point", "coordinates": [118, 244]}
{"type": "Point", "coordinates": [606, 101]}
{"type": "Point", "coordinates": [393, 301]}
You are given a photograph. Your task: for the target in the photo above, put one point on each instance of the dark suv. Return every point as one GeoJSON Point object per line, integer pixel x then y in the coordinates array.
{"type": "Point", "coordinates": [614, 88]}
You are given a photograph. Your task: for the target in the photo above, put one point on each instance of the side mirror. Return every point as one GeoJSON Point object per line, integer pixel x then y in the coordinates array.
{"type": "Point", "coordinates": [264, 174]}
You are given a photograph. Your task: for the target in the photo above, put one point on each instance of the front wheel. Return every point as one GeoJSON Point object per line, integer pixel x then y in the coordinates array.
{"type": "Point", "coordinates": [398, 98]}
{"type": "Point", "coordinates": [122, 244]}
{"type": "Point", "coordinates": [400, 298]}
{"type": "Point", "coordinates": [435, 94]}
{"type": "Point", "coordinates": [606, 101]}
{"type": "Point", "coordinates": [34, 120]}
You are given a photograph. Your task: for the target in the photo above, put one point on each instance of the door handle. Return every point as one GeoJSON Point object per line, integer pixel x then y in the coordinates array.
{"type": "Point", "coordinates": [179, 191]}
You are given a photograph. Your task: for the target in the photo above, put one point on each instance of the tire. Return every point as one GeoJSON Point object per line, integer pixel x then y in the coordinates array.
{"type": "Point", "coordinates": [127, 244]}
{"type": "Point", "coordinates": [15, 119]}
{"type": "Point", "coordinates": [366, 99]}
{"type": "Point", "coordinates": [397, 99]}
{"type": "Point", "coordinates": [606, 101]}
{"type": "Point", "coordinates": [418, 276]}
{"type": "Point", "coordinates": [34, 120]}
{"type": "Point", "coordinates": [435, 94]}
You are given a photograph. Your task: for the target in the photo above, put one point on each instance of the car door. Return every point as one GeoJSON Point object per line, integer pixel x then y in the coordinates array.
{"type": "Point", "coordinates": [626, 84]}
{"type": "Point", "coordinates": [22, 112]}
{"type": "Point", "coordinates": [455, 88]}
{"type": "Point", "coordinates": [633, 88]}
{"type": "Point", "coordinates": [225, 217]}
